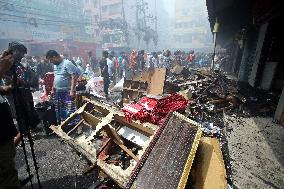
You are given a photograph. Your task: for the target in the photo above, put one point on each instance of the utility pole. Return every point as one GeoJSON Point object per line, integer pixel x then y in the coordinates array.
{"type": "Point", "coordinates": [125, 25]}
{"type": "Point", "coordinates": [100, 9]}
{"type": "Point", "coordinates": [123, 12]}
{"type": "Point", "coordinates": [156, 19]}
{"type": "Point", "coordinates": [146, 29]}
{"type": "Point", "coordinates": [156, 22]}
{"type": "Point", "coordinates": [137, 23]}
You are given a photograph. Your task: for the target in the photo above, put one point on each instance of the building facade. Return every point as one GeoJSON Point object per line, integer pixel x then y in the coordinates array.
{"type": "Point", "coordinates": [253, 42]}
{"type": "Point", "coordinates": [40, 23]}
{"type": "Point", "coordinates": [190, 29]}
{"type": "Point", "coordinates": [128, 24]}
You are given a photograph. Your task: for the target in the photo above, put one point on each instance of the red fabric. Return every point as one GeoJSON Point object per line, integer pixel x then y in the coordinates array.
{"type": "Point", "coordinates": [148, 103]}
{"type": "Point", "coordinates": [133, 58]}
{"type": "Point", "coordinates": [48, 82]}
{"type": "Point", "coordinates": [116, 63]}
{"type": "Point", "coordinates": [154, 111]}
{"type": "Point", "coordinates": [135, 111]}
{"type": "Point", "coordinates": [191, 57]}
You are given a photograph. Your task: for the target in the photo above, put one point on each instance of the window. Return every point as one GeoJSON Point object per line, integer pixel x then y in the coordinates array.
{"type": "Point", "coordinates": [95, 3]}
{"type": "Point", "coordinates": [115, 8]}
{"type": "Point", "coordinates": [96, 18]}
{"type": "Point", "coordinates": [104, 9]}
{"type": "Point", "coordinates": [184, 12]}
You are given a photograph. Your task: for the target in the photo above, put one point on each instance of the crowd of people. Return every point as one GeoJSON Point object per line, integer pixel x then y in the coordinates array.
{"type": "Point", "coordinates": [60, 75]}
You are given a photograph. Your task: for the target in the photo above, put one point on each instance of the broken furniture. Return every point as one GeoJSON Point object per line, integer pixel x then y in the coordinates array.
{"type": "Point", "coordinates": [133, 90]}
{"type": "Point", "coordinates": [167, 161]}
{"type": "Point", "coordinates": [144, 83]}
{"type": "Point", "coordinates": [100, 128]}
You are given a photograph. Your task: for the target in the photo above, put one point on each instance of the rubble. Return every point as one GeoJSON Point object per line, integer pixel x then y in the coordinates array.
{"type": "Point", "coordinates": [101, 129]}
{"type": "Point", "coordinates": [122, 142]}
{"type": "Point", "coordinates": [143, 83]}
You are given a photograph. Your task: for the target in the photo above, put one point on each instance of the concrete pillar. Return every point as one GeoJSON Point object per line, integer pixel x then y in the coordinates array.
{"type": "Point", "coordinates": [261, 37]}
{"type": "Point", "coordinates": [280, 107]}
{"type": "Point", "coordinates": [241, 75]}
{"type": "Point", "coordinates": [268, 75]}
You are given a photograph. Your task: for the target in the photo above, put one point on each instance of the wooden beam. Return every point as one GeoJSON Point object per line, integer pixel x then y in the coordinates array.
{"type": "Point", "coordinates": [89, 118]}
{"type": "Point", "coordinates": [138, 127]}
{"type": "Point", "coordinates": [116, 139]}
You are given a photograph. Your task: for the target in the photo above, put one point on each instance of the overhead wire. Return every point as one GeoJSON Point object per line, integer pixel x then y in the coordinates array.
{"type": "Point", "coordinates": [70, 16]}
{"type": "Point", "coordinates": [38, 9]}
{"type": "Point", "coordinates": [45, 24]}
{"type": "Point", "coordinates": [50, 22]}
{"type": "Point", "coordinates": [55, 21]}
{"type": "Point", "coordinates": [59, 19]}
{"type": "Point", "coordinates": [44, 15]}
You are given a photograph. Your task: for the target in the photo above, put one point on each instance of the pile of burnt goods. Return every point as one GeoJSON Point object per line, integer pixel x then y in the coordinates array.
{"type": "Point", "coordinates": [168, 132]}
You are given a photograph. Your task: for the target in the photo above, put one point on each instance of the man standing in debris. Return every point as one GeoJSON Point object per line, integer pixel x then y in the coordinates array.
{"type": "Point", "coordinates": [43, 68]}
{"type": "Point", "coordinates": [92, 61]}
{"type": "Point", "coordinates": [64, 85]}
{"type": "Point", "coordinates": [8, 172]}
{"type": "Point", "coordinates": [105, 73]}
{"type": "Point", "coordinates": [120, 66]}
{"type": "Point", "coordinates": [110, 65]}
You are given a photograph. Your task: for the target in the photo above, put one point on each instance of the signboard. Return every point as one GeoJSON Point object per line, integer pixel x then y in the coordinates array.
{"type": "Point", "coordinates": [43, 35]}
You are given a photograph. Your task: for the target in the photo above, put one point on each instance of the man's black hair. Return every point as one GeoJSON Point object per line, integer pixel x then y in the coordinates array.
{"type": "Point", "coordinates": [105, 54]}
{"type": "Point", "coordinates": [51, 53]}
{"type": "Point", "coordinates": [13, 46]}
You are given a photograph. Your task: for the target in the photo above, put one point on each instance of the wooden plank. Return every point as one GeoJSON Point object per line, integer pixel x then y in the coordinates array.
{"type": "Point", "coordinates": [129, 152]}
{"type": "Point", "coordinates": [87, 151]}
{"type": "Point", "coordinates": [80, 122]}
{"type": "Point", "coordinates": [116, 139]}
{"type": "Point", "coordinates": [89, 118]}
{"type": "Point", "coordinates": [192, 82]}
{"type": "Point", "coordinates": [113, 134]}
{"type": "Point", "coordinates": [138, 127]}
{"type": "Point", "coordinates": [73, 116]}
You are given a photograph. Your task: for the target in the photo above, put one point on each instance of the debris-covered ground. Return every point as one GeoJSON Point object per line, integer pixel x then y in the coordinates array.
{"type": "Point", "coordinates": [256, 151]}
{"type": "Point", "coordinates": [58, 164]}
{"type": "Point", "coordinates": [235, 113]}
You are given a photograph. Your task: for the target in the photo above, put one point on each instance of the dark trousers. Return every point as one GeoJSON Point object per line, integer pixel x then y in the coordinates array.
{"type": "Point", "coordinates": [8, 172]}
{"type": "Point", "coordinates": [106, 86]}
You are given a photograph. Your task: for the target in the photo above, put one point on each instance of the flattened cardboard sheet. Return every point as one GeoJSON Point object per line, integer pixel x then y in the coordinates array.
{"type": "Point", "coordinates": [210, 168]}
{"type": "Point", "coordinates": [157, 81]}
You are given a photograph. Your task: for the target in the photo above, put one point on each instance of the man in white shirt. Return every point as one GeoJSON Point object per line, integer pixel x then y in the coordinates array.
{"type": "Point", "coordinates": [110, 65]}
